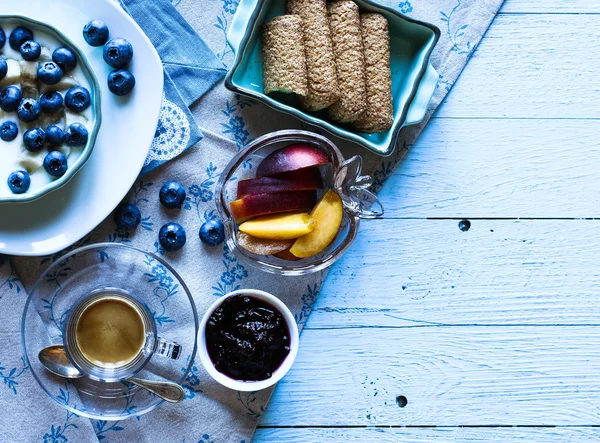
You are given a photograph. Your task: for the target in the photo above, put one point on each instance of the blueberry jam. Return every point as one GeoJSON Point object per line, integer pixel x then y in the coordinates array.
{"type": "Point", "coordinates": [247, 339]}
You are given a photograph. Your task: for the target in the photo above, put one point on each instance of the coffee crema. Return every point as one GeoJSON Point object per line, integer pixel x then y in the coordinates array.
{"type": "Point", "coordinates": [110, 332]}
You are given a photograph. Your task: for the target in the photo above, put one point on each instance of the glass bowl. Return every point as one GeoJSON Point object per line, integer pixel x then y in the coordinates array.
{"type": "Point", "coordinates": [106, 266]}
{"type": "Point", "coordinates": [343, 176]}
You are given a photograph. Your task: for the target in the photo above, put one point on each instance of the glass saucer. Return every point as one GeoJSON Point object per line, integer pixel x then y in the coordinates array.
{"type": "Point", "coordinates": [105, 266]}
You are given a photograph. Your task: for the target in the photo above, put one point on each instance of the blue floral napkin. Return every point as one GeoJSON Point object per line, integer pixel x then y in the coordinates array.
{"type": "Point", "coordinates": [190, 70]}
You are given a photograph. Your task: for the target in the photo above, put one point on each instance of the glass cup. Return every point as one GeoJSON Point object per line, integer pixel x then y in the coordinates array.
{"type": "Point", "coordinates": [153, 345]}
{"type": "Point", "coordinates": [343, 176]}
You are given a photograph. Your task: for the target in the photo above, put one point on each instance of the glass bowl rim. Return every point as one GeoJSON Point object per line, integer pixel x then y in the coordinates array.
{"type": "Point", "coordinates": [291, 135]}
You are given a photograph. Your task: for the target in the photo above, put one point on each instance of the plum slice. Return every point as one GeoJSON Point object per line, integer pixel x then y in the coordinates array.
{"type": "Point", "coordinates": [303, 180]}
{"type": "Point", "coordinates": [262, 204]}
{"type": "Point", "coordinates": [291, 158]}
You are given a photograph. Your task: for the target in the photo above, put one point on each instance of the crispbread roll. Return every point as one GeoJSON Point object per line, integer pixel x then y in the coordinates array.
{"type": "Point", "coordinates": [320, 63]}
{"type": "Point", "coordinates": [284, 65]}
{"type": "Point", "coordinates": [376, 42]}
{"type": "Point", "coordinates": [344, 20]}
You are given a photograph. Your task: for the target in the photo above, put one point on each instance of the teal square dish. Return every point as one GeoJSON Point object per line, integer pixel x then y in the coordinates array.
{"type": "Point", "coordinates": [413, 77]}
{"type": "Point", "coordinates": [96, 107]}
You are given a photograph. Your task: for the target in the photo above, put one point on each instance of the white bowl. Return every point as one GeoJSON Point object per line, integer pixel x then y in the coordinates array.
{"type": "Point", "coordinates": [240, 385]}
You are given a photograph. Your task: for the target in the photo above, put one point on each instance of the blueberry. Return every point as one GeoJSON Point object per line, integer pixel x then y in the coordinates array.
{"type": "Point", "coordinates": [212, 232]}
{"type": "Point", "coordinates": [49, 73]}
{"type": "Point", "coordinates": [30, 50]}
{"type": "Point", "coordinates": [2, 38]}
{"type": "Point", "coordinates": [95, 33]}
{"type": "Point", "coordinates": [127, 217]}
{"type": "Point", "coordinates": [55, 163]}
{"type": "Point", "coordinates": [172, 237]}
{"type": "Point", "coordinates": [34, 139]}
{"type": "Point", "coordinates": [117, 52]}
{"type": "Point", "coordinates": [19, 182]}
{"type": "Point", "coordinates": [76, 135]}
{"type": "Point", "coordinates": [121, 82]}
{"type": "Point", "coordinates": [3, 68]}
{"type": "Point", "coordinates": [9, 131]}
{"type": "Point", "coordinates": [77, 99]}
{"type": "Point", "coordinates": [51, 101]}
{"type": "Point", "coordinates": [29, 110]}
{"type": "Point", "coordinates": [172, 195]}
{"type": "Point", "coordinates": [18, 36]}
{"type": "Point", "coordinates": [55, 136]}
{"type": "Point", "coordinates": [65, 58]}
{"type": "Point", "coordinates": [10, 97]}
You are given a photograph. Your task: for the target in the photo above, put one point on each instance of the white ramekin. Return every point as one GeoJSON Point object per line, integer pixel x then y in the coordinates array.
{"type": "Point", "coordinates": [239, 385]}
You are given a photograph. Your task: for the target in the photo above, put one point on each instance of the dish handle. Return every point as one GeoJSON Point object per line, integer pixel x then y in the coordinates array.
{"type": "Point", "coordinates": [418, 108]}
{"type": "Point", "coordinates": [239, 23]}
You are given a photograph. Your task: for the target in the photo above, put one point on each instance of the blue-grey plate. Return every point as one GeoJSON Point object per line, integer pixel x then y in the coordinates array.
{"type": "Point", "coordinates": [96, 108]}
{"type": "Point", "coordinates": [413, 78]}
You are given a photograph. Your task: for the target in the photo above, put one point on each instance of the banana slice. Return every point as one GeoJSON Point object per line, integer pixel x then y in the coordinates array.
{"type": "Point", "coordinates": [13, 74]}
{"type": "Point", "coordinates": [29, 83]}
{"type": "Point", "coordinates": [45, 55]}
{"type": "Point", "coordinates": [31, 161]}
{"type": "Point", "coordinates": [67, 82]}
{"type": "Point", "coordinates": [72, 117]}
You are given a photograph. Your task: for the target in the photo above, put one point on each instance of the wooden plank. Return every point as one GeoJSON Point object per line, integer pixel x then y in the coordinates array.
{"type": "Point", "coordinates": [415, 273]}
{"type": "Point", "coordinates": [449, 376]}
{"type": "Point", "coordinates": [550, 7]}
{"type": "Point", "coordinates": [412, 435]}
{"type": "Point", "coordinates": [498, 168]}
{"type": "Point", "coordinates": [532, 66]}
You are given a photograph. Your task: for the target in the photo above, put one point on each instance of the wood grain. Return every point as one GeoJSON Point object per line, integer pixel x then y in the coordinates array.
{"type": "Point", "coordinates": [416, 273]}
{"type": "Point", "coordinates": [424, 435]}
{"type": "Point", "coordinates": [450, 376]}
{"type": "Point", "coordinates": [498, 168]}
{"type": "Point", "coordinates": [531, 66]}
{"type": "Point", "coordinates": [516, 138]}
{"type": "Point", "coordinates": [551, 7]}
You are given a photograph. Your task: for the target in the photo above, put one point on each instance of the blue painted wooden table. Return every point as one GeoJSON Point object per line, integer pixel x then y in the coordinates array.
{"type": "Point", "coordinates": [426, 332]}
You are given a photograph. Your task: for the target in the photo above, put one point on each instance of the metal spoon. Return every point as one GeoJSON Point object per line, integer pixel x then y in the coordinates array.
{"type": "Point", "coordinates": [55, 359]}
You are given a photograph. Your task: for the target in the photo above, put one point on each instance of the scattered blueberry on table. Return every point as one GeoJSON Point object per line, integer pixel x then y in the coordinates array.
{"type": "Point", "coordinates": [127, 217]}
{"type": "Point", "coordinates": [76, 135]}
{"type": "Point", "coordinates": [55, 136]}
{"type": "Point", "coordinates": [3, 67]}
{"type": "Point", "coordinates": [49, 73]}
{"type": "Point", "coordinates": [10, 97]}
{"type": "Point", "coordinates": [118, 52]}
{"type": "Point", "coordinates": [18, 36]}
{"type": "Point", "coordinates": [19, 182]}
{"type": "Point", "coordinates": [51, 101]}
{"type": "Point", "coordinates": [28, 110]}
{"type": "Point", "coordinates": [212, 232]}
{"type": "Point", "coordinates": [55, 163]}
{"type": "Point", "coordinates": [64, 58]}
{"type": "Point", "coordinates": [121, 82]}
{"type": "Point", "coordinates": [30, 50]}
{"type": "Point", "coordinates": [95, 33]}
{"type": "Point", "coordinates": [77, 99]}
{"type": "Point", "coordinates": [9, 131]}
{"type": "Point", "coordinates": [172, 194]}
{"type": "Point", "coordinates": [34, 139]}
{"type": "Point", "coordinates": [172, 237]}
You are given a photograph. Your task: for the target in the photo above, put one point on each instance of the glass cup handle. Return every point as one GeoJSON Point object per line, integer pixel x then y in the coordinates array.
{"type": "Point", "coordinates": [168, 349]}
{"type": "Point", "coordinates": [353, 187]}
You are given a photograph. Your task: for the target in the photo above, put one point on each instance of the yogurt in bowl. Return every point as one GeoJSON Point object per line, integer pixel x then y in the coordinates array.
{"type": "Point", "coordinates": [23, 74]}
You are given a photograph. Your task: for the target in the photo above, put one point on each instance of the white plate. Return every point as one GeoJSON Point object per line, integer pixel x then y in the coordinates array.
{"type": "Point", "coordinates": [64, 216]}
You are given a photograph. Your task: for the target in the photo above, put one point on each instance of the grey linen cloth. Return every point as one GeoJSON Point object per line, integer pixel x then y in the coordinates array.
{"type": "Point", "coordinates": [211, 413]}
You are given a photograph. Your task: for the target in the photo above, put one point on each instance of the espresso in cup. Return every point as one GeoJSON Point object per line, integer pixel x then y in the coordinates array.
{"type": "Point", "coordinates": [110, 332]}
